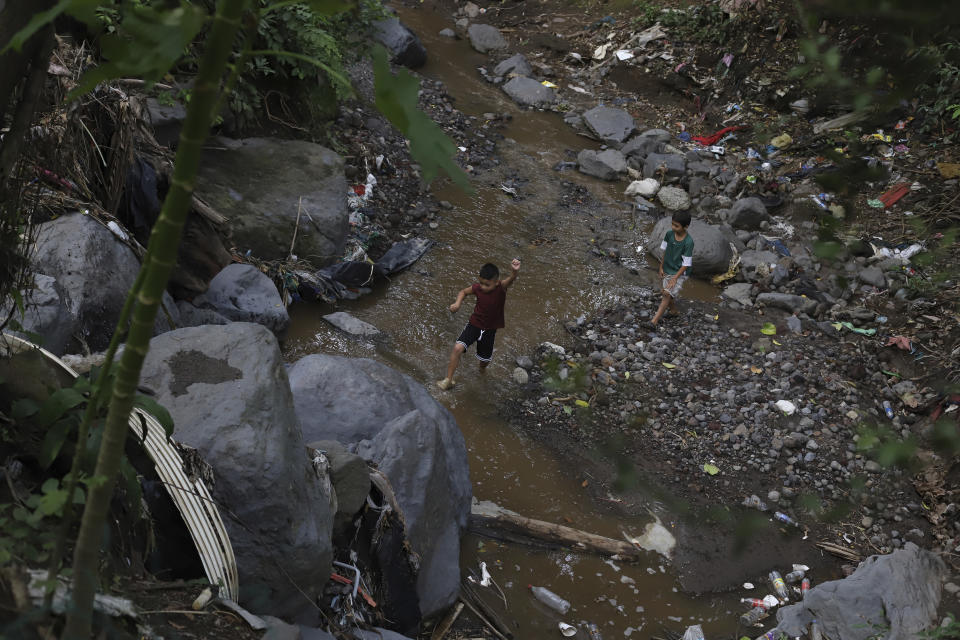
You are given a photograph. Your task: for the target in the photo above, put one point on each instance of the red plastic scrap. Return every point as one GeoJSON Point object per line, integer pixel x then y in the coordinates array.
{"type": "Point", "coordinates": [903, 342]}
{"type": "Point", "coordinates": [712, 139]}
{"type": "Point", "coordinates": [893, 194]}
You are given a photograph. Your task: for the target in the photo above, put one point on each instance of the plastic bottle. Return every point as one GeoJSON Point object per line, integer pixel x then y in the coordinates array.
{"type": "Point", "coordinates": [593, 631]}
{"type": "Point", "coordinates": [753, 602]}
{"type": "Point", "coordinates": [769, 635]}
{"type": "Point", "coordinates": [793, 576]}
{"type": "Point", "coordinates": [785, 519]}
{"type": "Point", "coordinates": [804, 586]}
{"type": "Point", "coordinates": [888, 409]}
{"type": "Point", "coordinates": [776, 581]}
{"type": "Point", "coordinates": [815, 633]}
{"type": "Point", "coordinates": [753, 616]}
{"type": "Point", "coordinates": [550, 599]}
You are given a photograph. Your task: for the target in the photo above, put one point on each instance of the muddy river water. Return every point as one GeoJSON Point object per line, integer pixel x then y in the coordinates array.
{"type": "Point", "coordinates": [557, 282]}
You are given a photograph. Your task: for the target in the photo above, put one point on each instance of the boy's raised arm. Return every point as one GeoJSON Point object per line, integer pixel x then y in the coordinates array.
{"type": "Point", "coordinates": [514, 272]}
{"type": "Point", "coordinates": [463, 293]}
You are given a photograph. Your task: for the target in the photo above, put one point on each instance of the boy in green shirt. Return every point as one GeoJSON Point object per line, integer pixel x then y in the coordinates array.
{"type": "Point", "coordinates": [677, 247]}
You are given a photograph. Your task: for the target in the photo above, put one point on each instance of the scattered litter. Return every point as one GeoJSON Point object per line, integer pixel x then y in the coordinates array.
{"type": "Point", "coordinates": [949, 169]}
{"type": "Point", "coordinates": [786, 406]}
{"type": "Point", "coordinates": [511, 190]}
{"type": "Point", "coordinates": [902, 342]}
{"type": "Point", "coordinates": [549, 84]}
{"type": "Point", "coordinates": [782, 141]}
{"type": "Point", "coordinates": [748, 585]}
{"type": "Point", "coordinates": [779, 587]}
{"type": "Point", "coordinates": [712, 469]}
{"type": "Point", "coordinates": [550, 599]}
{"type": "Point", "coordinates": [849, 327]}
{"type": "Point", "coordinates": [712, 139]}
{"type": "Point", "coordinates": [694, 632]}
{"type": "Point", "coordinates": [768, 329]}
{"type": "Point", "coordinates": [117, 231]}
{"type": "Point", "coordinates": [894, 194]}
{"type": "Point", "coordinates": [754, 502]}
{"type": "Point", "coordinates": [624, 54]}
{"type": "Point", "coordinates": [567, 630]}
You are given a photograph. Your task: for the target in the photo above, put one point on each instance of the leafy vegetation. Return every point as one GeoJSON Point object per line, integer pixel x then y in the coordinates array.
{"type": "Point", "coordinates": [705, 23]}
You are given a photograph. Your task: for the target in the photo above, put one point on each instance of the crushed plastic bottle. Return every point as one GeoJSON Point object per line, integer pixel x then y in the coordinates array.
{"type": "Point", "coordinates": [550, 599]}
{"type": "Point", "coordinates": [754, 616]}
{"type": "Point", "coordinates": [779, 587]}
{"type": "Point", "coordinates": [754, 502]}
{"type": "Point", "coordinates": [888, 409]}
{"type": "Point", "coordinates": [804, 586]}
{"type": "Point", "coordinates": [815, 632]}
{"type": "Point", "coordinates": [794, 576]}
{"type": "Point", "coordinates": [785, 519]}
{"type": "Point", "coordinates": [593, 631]}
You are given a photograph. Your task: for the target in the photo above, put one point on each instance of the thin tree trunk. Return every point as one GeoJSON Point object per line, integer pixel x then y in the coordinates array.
{"type": "Point", "coordinates": [158, 263]}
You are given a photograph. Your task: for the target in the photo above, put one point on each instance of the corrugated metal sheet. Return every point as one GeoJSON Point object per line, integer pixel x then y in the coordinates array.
{"type": "Point", "coordinates": [191, 497]}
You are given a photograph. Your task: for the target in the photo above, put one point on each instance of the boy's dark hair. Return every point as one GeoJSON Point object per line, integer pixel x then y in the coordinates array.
{"type": "Point", "coordinates": [683, 217]}
{"type": "Point", "coordinates": [489, 271]}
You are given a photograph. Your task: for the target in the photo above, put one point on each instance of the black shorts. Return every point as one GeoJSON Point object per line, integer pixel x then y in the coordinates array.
{"type": "Point", "coordinates": [484, 339]}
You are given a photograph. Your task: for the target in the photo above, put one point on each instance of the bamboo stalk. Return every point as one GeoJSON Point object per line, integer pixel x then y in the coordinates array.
{"type": "Point", "coordinates": [157, 266]}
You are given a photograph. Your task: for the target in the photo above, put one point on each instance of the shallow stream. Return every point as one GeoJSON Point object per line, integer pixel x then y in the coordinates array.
{"type": "Point", "coordinates": [558, 281]}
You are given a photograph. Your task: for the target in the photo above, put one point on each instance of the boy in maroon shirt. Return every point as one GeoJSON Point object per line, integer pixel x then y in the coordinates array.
{"type": "Point", "coordinates": [487, 317]}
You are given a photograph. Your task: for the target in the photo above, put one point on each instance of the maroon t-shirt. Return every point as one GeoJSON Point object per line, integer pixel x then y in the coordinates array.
{"type": "Point", "coordinates": [488, 314]}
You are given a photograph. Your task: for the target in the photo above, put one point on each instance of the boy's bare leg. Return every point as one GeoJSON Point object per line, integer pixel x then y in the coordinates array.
{"type": "Point", "coordinates": [454, 359]}
{"type": "Point", "coordinates": [666, 301]}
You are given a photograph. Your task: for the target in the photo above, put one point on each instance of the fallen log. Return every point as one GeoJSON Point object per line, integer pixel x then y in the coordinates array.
{"type": "Point", "coordinates": [487, 518]}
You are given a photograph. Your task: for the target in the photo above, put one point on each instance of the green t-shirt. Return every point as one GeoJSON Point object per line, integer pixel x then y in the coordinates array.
{"type": "Point", "coordinates": [676, 253]}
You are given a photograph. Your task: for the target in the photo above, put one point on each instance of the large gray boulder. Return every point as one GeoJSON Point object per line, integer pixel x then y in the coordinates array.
{"type": "Point", "coordinates": [412, 438]}
{"type": "Point", "coordinates": [402, 43]}
{"type": "Point", "coordinates": [484, 38]}
{"type": "Point", "coordinates": [609, 124]}
{"type": "Point", "coordinates": [350, 476]}
{"type": "Point", "coordinates": [93, 271]}
{"type": "Point", "coordinates": [529, 93]}
{"type": "Point", "coordinates": [44, 314]}
{"type": "Point", "coordinates": [259, 183]}
{"type": "Point", "coordinates": [227, 391]}
{"type": "Point", "coordinates": [711, 251]}
{"type": "Point", "coordinates": [516, 65]}
{"type": "Point", "coordinates": [243, 293]}
{"type": "Point", "coordinates": [606, 165]}
{"type": "Point", "coordinates": [650, 141]}
{"type": "Point", "coordinates": [167, 120]}
{"type": "Point", "coordinates": [897, 594]}
{"type": "Point", "coordinates": [748, 213]}
{"type": "Point", "coordinates": [674, 164]}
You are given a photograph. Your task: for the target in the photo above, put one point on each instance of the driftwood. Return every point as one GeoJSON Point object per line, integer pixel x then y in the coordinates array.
{"type": "Point", "coordinates": [489, 519]}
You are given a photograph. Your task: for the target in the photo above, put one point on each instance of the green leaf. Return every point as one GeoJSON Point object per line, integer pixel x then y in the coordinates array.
{"type": "Point", "coordinates": [711, 469]}
{"type": "Point", "coordinates": [328, 7]}
{"type": "Point", "coordinates": [53, 441]}
{"type": "Point", "coordinates": [40, 20]}
{"type": "Point", "coordinates": [157, 410]}
{"type": "Point", "coordinates": [59, 403]}
{"type": "Point", "coordinates": [396, 98]}
{"type": "Point", "coordinates": [23, 408]}
{"type": "Point", "coordinates": [768, 329]}
{"type": "Point", "coordinates": [146, 45]}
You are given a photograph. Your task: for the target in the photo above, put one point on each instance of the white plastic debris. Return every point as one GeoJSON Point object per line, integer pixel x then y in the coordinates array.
{"type": "Point", "coordinates": [568, 630]}
{"type": "Point", "coordinates": [601, 52]}
{"type": "Point", "coordinates": [786, 406]}
{"type": "Point", "coordinates": [485, 578]}
{"type": "Point", "coordinates": [117, 231]}
{"type": "Point", "coordinates": [770, 601]}
{"type": "Point", "coordinates": [624, 54]}
{"type": "Point", "coordinates": [748, 585]}
{"type": "Point", "coordinates": [693, 632]}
